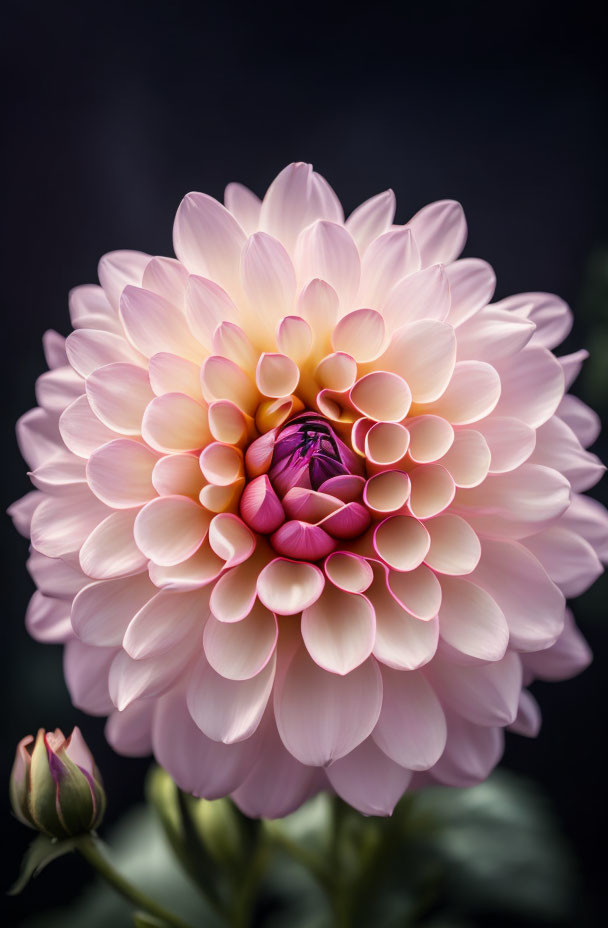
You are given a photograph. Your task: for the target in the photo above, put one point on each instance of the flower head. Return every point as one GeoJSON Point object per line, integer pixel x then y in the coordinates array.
{"type": "Point", "coordinates": [55, 786]}
{"type": "Point", "coordinates": [308, 504]}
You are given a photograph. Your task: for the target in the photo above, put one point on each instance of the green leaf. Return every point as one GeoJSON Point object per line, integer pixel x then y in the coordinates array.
{"type": "Point", "coordinates": [40, 853]}
{"type": "Point", "coordinates": [143, 920]}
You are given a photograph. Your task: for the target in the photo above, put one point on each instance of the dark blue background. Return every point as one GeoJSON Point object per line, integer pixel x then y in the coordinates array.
{"type": "Point", "coordinates": [112, 111]}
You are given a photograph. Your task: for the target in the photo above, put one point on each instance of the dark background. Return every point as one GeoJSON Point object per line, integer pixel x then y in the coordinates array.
{"type": "Point", "coordinates": [113, 111]}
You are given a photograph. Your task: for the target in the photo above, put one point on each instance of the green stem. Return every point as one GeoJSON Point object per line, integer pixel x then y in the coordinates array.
{"type": "Point", "coordinates": [90, 848]}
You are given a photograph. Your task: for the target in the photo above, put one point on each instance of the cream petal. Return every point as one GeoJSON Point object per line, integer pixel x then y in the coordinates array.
{"type": "Point", "coordinates": [164, 622]}
{"type": "Point", "coordinates": [207, 306]}
{"type": "Point", "coordinates": [360, 334]}
{"type": "Point", "coordinates": [455, 548]}
{"type": "Point", "coordinates": [468, 460]}
{"type": "Point", "coordinates": [424, 354]}
{"type": "Point", "coordinates": [371, 218]}
{"type": "Point", "coordinates": [318, 305]}
{"type": "Point", "coordinates": [382, 396]}
{"type": "Point", "coordinates": [412, 728]}
{"type": "Point", "coordinates": [387, 492]}
{"type": "Point", "coordinates": [269, 280]}
{"type": "Point", "coordinates": [493, 334]}
{"type": "Point", "coordinates": [339, 630]}
{"type": "Point", "coordinates": [228, 710]}
{"type": "Point", "coordinates": [327, 250]}
{"type": "Point", "coordinates": [402, 542]}
{"type": "Point", "coordinates": [153, 324]}
{"type": "Point", "coordinates": [177, 474]}
{"type": "Point", "coordinates": [432, 490]}
{"type": "Point", "coordinates": [117, 269]}
{"type": "Point", "coordinates": [423, 295]}
{"type": "Point", "coordinates": [348, 572]}
{"type": "Point", "coordinates": [218, 499]}
{"type": "Point", "coordinates": [472, 393]}
{"type": "Point", "coordinates": [240, 650]}
{"type": "Point", "coordinates": [234, 594]}
{"type": "Point", "coordinates": [287, 587]}
{"type": "Point", "coordinates": [369, 780]}
{"type": "Point", "coordinates": [403, 641]}
{"type": "Point", "coordinates": [276, 375]}
{"type": "Point", "coordinates": [418, 591]}
{"type": "Point", "coordinates": [386, 443]}
{"type": "Point", "coordinates": [430, 438]}
{"type": "Point", "coordinates": [195, 572]}
{"type": "Point", "coordinates": [120, 473]}
{"type": "Point", "coordinates": [118, 394]}
{"type": "Point", "coordinates": [388, 259]}
{"type": "Point", "coordinates": [175, 422]}
{"type": "Point", "coordinates": [440, 230]}
{"type": "Point", "coordinates": [110, 550]}
{"type": "Point", "coordinates": [170, 529]}
{"type": "Point", "coordinates": [294, 338]}
{"type": "Point", "coordinates": [471, 621]}
{"type": "Point", "coordinates": [230, 538]}
{"type": "Point", "coordinates": [208, 239]}
{"type": "Point", "coordinates": [221, 464]}
{"type": "Point", "coordinates": [336, 371]}
{"type": "Point", "coordinates": [227, 423]}
{"type": "Point", "coordinates": [171, 374]}
{"type": "Point", "coordinates": [101, 611]}
{"type": "Point", "coordinates": [222, 379]}
{"type": "Point", "coordinates": [472, 284]}
{"type": "Point", "coordinates": [323, 716]}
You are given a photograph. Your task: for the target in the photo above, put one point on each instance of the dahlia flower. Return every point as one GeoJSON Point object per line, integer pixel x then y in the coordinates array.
{"type": "Point", "coordinates": [307, 504]}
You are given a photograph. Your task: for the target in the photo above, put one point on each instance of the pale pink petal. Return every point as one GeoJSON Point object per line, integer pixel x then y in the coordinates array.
{"type": "Point", "coordinates": [60, 524]}
{"type": "Point", "coordinates": [327, 250]}
{"type": "Point", "coordinates": [296, 198]}
{"type": "Point", "coordinates": [551, 316]}
{"type": "Point", "coordinates": [432, 490]}
{"type": "Point", "coordinates": [207, 306]}
{"type": "Point", "coordinates": [170, 529]}
{"type": "Point", "coordinates": [118, 395]}
{"type": "Point", "coordinates": [22, 510]}
{"type": "Point", "coordinates": [572, 364]}
{"type": "Point", "coordinates": [222, 379]}
{"type": "Point", "coordinates": [195, 572]}
{"type": "Point", "coordinates": [569, 560]}
{"type": "Point", "coordinates": [234, 594]}
{"type": "Point", "coordinates": [472, 393]}
{"type": "Point", "coordinates": [221, 464]}
{"type": "Point", "coordinates": [486, 694]}
{"type": "Point", "coordinates": [86, 671]}
{"type": "Point", "coordinates": [56, 389]}
{"type": "Point", "coordinates": [110, 550]}
{"type": "Point", "coordinates": [424, 354]}
{"type": "Point", "coordinates": [48, 619]}
{"type": "Point", "coordinates": [430, 438]}
{"type": "Point", "coordinates": [323, 716]}
{"type": "Point", "coordinates": [528, 719]}
{"type": "Point", "coordinates": [469, 458]}
{"type": "Point", "coordinates": [269, 280]}
{"type": "Point", "coordinates": [418, 591]}
{"type": "Point", "coordinates": [120, 473]}
{"type": "Point", "coordinates": [244, 206]}
{"type": "Point", "coordinates": [584, 422]}
{"type": "Point", "coordinates": [403, 641]}
{"type": "Point", "coordinates": [119, 268]}
{"type": "Point", "coordinates": [440, 230]}
{"type": "Point", "coordinates": [318, 305]}
{"type": "Point", "coordinates": [588, 518]}
{"type": "Point", "coordinates": [558, 447]}
{"type": "Point", "coordinates": [530, 601]}
{"type": "Point", "coordinates": [153, 324]}
{"type": "Point", "coordinates": [411, 729]}
{"type": "Point", "coordinates": [63, 474]}
{"type": "Point", "coordinates": [168, 278]}
{"type": "Point", "coordinates": [53, 345]}
{"type": "Point", "coordinates": [228, 710]}
{"type": "Point", "coordinates": [240, 650]}
{"type": "Point", "coordinates": [276, 375]}
{"type": "Point", "coordinates": [472, 284]}
{"type": "Point", "coordinates": [80, 429]}
{"type": "Point", "coordinates": [388, 259]}
{"type": "Point", "coordinates": [360, 334]}
{"type": "Point", "coordinates": [91, 309]}
{"type": "Point", "coordinates": [369, 780]}
{"type": "Point", "coordinates": [402, 542]}
{"type": "Point", "coordinates": [371, 218]}
{"type": "Point", "coordinates": [471, 753]}
{"type": "Point", "coordinates": [493, 334]}
{"type": "Point", "coordinates": [175, 422]}
{"type": "Point", "coordinates": [294, 338]}
{"type": "Point", "coordinates": [471, 621]}
{"type": "Point", "coordinates": [130, 732]}
{"type": "Point", "coordinates": [339, 630]}
{"type": "Point", "coordinates": [532, 386]}
{"type": "Point", "coordinates": [568, 656]}
{"type": "Point", "coordinates": [54, 577]}
{"type": "Point", "coordinates": [348, 571]}
{"type": "Point", "coordinates": [129, 680]}
{"type": "Point", "coordinates": [164, 622]}
{"type": "Point", "coordinates": [208, 239]}
{"type": "Point", "coordinates": [287, 587]}
{"type": "Point", "coordinates": [511, 442]}
{"type": "Point", "coordinates": [425, 294]}
{"type": "Point", "coordinates": [102, 611]}
{"type": "Point", "coordinates": [88, 349]}
{"type": "Point", "coordinates": [337, 371]}
{"type": "Point", "coordinates": [178, 474]}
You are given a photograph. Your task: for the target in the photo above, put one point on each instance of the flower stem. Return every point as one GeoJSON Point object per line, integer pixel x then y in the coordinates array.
{"type": "Point", "coordinates": [90, 848]}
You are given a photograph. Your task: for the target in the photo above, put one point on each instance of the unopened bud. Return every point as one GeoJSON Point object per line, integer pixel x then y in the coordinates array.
{"type": "Point", "coordinates": [55, 786]}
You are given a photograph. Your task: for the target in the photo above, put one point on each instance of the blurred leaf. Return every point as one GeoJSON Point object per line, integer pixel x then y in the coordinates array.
{"type": "Point", "coordinates": [143, 920]}
{"type": "Point", "coordinates": [40, 853]}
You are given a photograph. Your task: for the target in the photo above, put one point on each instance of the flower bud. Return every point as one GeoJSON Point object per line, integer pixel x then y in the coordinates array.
{"type": "Point", "coordinates": [55, 786]}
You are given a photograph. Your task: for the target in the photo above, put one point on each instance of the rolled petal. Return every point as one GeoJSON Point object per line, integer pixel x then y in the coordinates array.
{"type": "Point", "coordinates": [433, 490]}
{"type": "Point", "coordinates": [230, 538]}
{"type": "Point", "coordinates": [382, 396]}
{"type": "Point", "coordinates": [348, 572]}
{"type": "Point", "coordinates": [287, 587]}
{"type": "Point", "coordinates": [402, 542]}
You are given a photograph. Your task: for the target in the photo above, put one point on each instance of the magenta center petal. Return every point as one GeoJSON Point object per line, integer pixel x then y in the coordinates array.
{"type": "Point", "coordinates": [292, 501]}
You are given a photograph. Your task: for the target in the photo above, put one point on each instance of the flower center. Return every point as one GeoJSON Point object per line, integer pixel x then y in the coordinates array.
{"type": "Point", "coordinates": [308, 452]}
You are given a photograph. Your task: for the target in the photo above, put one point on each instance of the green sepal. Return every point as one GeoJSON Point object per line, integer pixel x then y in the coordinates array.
{"type": "Point", "coordinates": [41, 852]}
{"type": "Point", "coordinates": [42, 793]}
{"type": "Point", "coordinates": [75, 801]}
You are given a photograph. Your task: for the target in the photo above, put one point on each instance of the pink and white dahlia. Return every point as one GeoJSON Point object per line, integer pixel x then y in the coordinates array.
{"type": "Point", "coordinates": [307, 505]}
